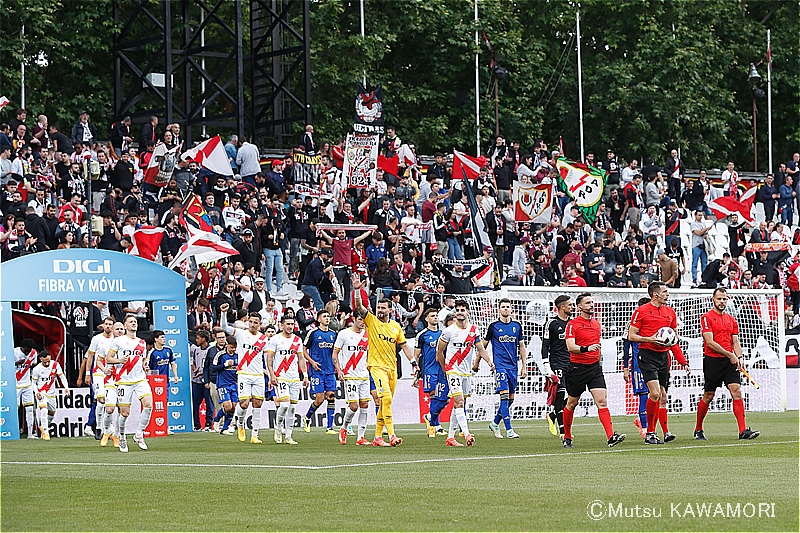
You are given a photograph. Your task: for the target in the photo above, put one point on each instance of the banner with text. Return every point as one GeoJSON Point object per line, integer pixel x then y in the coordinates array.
{"type": "Point", "coordinates": [360, 160]}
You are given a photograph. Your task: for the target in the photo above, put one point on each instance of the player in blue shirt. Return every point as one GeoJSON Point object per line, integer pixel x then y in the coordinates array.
{"type": "Point", "coordinates": [225, 363]}
{"type": "Point", "coordinates": [161, 358]}
{"type": "Point", "coordinates": [508, 346]}
{"type": "Point", "coordinates": [630, 371]}
{"type": "Point", "coordinates": [430, 371]}
{"type": "Point", "coordinates": [322, 374]}
{"type": "Point", "coordinates": [440, 395]}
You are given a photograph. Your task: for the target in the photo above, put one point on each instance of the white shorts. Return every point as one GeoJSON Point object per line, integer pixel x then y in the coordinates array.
{"type": "Point", "coordinates": [111, 395]}
{"type": "Point", "coordinates": [250, 387]}
{"type": "Point", "coordinates": [48, 401]}
{"type": "Point", "coordinates": [126, 393]}
{"type": "Point", "coordinates": [356, 389]}
{"type": "Point", "coordinates": [288, 390]}
{"type": "Point", "coordinates": [459, 385]}
{"type": "Point", "coordinates": [25, 396]}
{"type": "Point", "coordinates": [98, 386]}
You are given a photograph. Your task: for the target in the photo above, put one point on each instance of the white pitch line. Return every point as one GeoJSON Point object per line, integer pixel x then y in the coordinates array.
{"type": "Point", "coordinates": [393, 463]}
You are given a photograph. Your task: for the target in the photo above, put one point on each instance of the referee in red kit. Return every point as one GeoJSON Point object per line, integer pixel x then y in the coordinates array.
{"type": "Point", "coordinates": [584, 372]}
{"type": "Point", "coordinates": [722, 359]}
{"type": "Point", "coordinates": [653, 360]}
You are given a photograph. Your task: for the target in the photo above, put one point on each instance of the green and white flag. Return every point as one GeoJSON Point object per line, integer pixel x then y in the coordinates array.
{"type": "Point", "coordinates": [584, 184]}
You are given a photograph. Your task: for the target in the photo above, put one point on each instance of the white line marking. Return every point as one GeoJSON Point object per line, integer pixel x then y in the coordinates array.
{"type": "Point", "coordinates": [392, 463]}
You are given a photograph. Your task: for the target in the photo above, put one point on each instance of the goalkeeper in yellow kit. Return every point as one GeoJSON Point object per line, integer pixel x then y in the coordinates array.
{"type": "Point", "coordinates": [383, 335]}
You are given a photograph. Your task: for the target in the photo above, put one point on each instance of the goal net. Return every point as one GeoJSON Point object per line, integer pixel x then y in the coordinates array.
{"type": "Point", "coordinates": [761, 323]}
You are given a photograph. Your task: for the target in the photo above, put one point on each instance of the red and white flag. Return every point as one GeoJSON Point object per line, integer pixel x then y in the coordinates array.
{"type": "Point", "coordinates": [211, 155]}
{"type": "Point", "coordinates": [161, 166]}
{"type": "Point", "coordinates": [205, 247]}
{"type": "Point", "coordinates": [470, 165]}
{"type": "Point", "coordinates": [147, 242]}
{"type": "Point", "coordinates": [406, 155]}
{"type": "Point", "coordinates": [727, 205]}
{"type": "Point", "coordinates": [4, 102]}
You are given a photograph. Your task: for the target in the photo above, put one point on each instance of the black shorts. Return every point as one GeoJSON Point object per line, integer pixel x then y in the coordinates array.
{"type": "Point", "coordinates": [719, 370]}
{"type": "Point", "coordinates": [562, 378]}
{"type": "Point", "coordinates": [582, 377]}
{"type": "Point", "coordinates": [654, 366]}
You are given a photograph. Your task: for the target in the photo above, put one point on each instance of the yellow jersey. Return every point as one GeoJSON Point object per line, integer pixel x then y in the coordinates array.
{"type": "Point", "coordinates": [383, 340]}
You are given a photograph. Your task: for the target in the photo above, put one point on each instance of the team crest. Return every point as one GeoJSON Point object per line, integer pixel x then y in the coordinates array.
{"type": "Point", "coordinates": [176, 415]}
{"type": "Point", "coordinates": [171, 319]}
{"type": "Point", "coordinates": [159, 391]}
{"type": "Point", "coordinates": [160, 421]}
{"type": "Point", "coordinates": [172, 343]}
{"type": "Point", "coordinates": [174, 390]}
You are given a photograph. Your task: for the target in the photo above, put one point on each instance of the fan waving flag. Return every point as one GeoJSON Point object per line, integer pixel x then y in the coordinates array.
{"type": "Point", "coordinates": [146, 242]}
{"type": "Point", "coordinates": [4, 102]}
{"type": "Point", "coordinates": [533, 203]}
{"type": "Point", "coordinates": [161, 166]}
{"type": "Point", "coordinates": [211, 155]}
{"type": "Point", "coordinates": [204, 247]}
{"type": "Point", "coordinates": [472, 165]}
{"type": "Point", "coordinates": [194, 217]}
{"type": "Point", "coordinates": [726, 205]}
{"type": "Point", "coordinates": [583, 184]}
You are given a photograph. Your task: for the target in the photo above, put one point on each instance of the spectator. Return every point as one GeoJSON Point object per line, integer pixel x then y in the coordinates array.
{"type": "Point", "coordinates": [83, 131]}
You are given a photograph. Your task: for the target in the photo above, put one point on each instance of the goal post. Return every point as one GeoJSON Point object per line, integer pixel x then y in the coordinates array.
{"type": "Point", "coordinates": [760, 314]}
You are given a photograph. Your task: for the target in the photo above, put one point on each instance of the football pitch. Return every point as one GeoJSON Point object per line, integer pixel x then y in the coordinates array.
{"type": "Point", "coordinates": [209, 482]}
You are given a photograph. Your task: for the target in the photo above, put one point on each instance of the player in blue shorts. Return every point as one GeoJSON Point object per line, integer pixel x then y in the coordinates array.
{"type": "Point", "coordinates": [225, 363]}
{"type": "Point", "coordinates": [322, 374]}
{"type": "Point", "coordinates": [429, 368]}
{"type": "Point", "coordinates": [631, 372]}
{"type": "Point", "coordinates": [440, 396]}
{"type": "Point", "coordinates": [508, 347]}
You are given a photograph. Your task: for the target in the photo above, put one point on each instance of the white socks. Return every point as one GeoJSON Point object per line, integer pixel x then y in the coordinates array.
{"type": "Point", "coordinates": [144, 419]}
{"type": "Point", "coordinates": [256, 421]}
{"type": "Point", "coordinates": [239, 414]}
{"type": "Point", "coordinates": [31, 424]}
{"type": "Point", "coordinates": [460, 416]}
{"type": "Point", "coordinates": [290, 420]}
{"type": "Point", "coordinates": [363, 412]}
{"type": "Point", "coordinates": [348, 417]}
{"type": "Point", "coordinates": [100, 415]}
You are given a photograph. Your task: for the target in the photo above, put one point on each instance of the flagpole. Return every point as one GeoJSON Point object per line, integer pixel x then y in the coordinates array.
{"type": "Point", "coordinates": [769, 99]}
{"type": "Point", "coordinates": [22, 68]}
{"type": "Point", "coordinates": [364, 71]}
{"type": "Point", "coordinates": [477, 89]}
{"type": "Point", "coordinates": [580, 81]}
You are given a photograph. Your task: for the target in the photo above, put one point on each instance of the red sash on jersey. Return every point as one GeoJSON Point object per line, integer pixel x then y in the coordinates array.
{"type": "Point", "coordinates": [462, 354]}
{"type": "Point", "coordinates": [287, 363]}
{"type": "Point", "coordinates": [27, 366]}
{"type": "Point", "coordinates": [674, 225]}
{"type": "Point", "coordinates": [132, 361]}
{"type": "Point", "coordinates": [258, 347]}
{"type": "Point", "coordinates": [356, 357]}
{"type": "Point", "coordinates": [51, 378]}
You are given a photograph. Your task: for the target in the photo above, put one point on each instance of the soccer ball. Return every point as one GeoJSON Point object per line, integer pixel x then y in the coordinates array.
{"type": "Point", "coordinates": [667, 336]}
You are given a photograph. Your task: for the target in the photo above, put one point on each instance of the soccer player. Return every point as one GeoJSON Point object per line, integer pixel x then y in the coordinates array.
{"type": "Point", "coordinates": [44, 376]}
{"type": "Point", "coordinates": [653, 356]}
{"type": "Point", "coordinates": [286, 364]}
{"type": "Point", "coordinates": [24, 358]}
{"type": "Point", "coordinates": [508, 346]}
{"type": "Point", "coordinates": [585, 372]}
{"type": "Point", "coordinates": [128, 351]}
{"type": "Point", "coordinates": [555, 358]}
{"type": "Point", "coordinates": [434, 380]}
{"type": "Point", "coordinates": [350, 361]}
{"type": "Point", "coordinates": [722, 360]}
{"type": "Point", "coordinates": [98, 347]}
{"type": "Point", "coordinates": [251, 345]}
{"type": "Point", "coordinates": [322, 373]}
{"type": "Point", "coordinates": [161, 357]}
{"type": "Point", "coordinates": [225, 363]}
{"type": "Point", "coordinates": [384, 336]}
{"type": "Point", "coordinates": [111, 419]}
{"type": "Point", "coordinates": [454, 353]}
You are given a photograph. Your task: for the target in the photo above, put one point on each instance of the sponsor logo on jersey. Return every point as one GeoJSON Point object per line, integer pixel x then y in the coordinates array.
{"type": "Point", "coordinates": [356, 348]}
{"type": "Point", "coordinates": [324, 345]}
{"type": "Point", "coordinates": [506, 338]}
{"type": "Point", "coordinates": [385, 337]}
{"type": "Point", "coordinates": [462, 344]}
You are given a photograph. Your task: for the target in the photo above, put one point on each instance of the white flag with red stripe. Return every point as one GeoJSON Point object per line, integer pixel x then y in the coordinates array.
{"type": "Point", "coordinates": [211, 155]}
{"type": "Point", "coordinates": [727, 205]}
{"type": "Point", "coordinates": [4, 102]}
{"type": "Point", "coordinates": [147, 242]}
{"type": "Point", "coordinates": [406, 155]}
{"type": "Point", "coordinates": [471, 165]}
{"type": "Point", "coordinates": [205, 247]}
{"type": "Point", "coordinates": [161, 166]}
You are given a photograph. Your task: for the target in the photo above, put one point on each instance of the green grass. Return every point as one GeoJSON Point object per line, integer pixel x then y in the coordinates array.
{"type": "Point", "coordinates": [207, 482]}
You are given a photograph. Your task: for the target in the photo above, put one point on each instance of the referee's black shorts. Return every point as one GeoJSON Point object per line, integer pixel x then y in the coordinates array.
{"type": "Point", "coordinates": [654, 366]}
{"type": "Point", "coordinates": [581, 377]}
{"type": "Point", "coordinates": [719, 370]}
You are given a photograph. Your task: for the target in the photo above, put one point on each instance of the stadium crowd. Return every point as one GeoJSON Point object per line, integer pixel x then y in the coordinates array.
{"type": "Point", "coordinates": [653, 224]}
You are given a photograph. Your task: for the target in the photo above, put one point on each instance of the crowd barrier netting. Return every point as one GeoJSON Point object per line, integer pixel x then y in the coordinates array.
{"type": "Point", "coordinates": [761, 324]}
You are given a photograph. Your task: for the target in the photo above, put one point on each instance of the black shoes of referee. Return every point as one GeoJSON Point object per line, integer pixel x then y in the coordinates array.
{"type": "Point", "coordinates": [749, 434]}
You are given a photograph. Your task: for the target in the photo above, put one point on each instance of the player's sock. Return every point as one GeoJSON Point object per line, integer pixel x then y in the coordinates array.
{"type": "Point", "coordinates": [256, 421]}
{"type": "Point", "coordinates": [239, 416]}
{"type": "Point", "coordinates": [461, 418]}
{"type": "Point", "coordinates": [123, 420]}
{"type": "Point", "coordinates": [377, 409]}
{"type": "Point", "coordinates": [568, 414]}
{"type": "Point", "coordinates": [702, 409]}
{"type": "Point", "coordinates": [226, 423]}
{"type": "Point", "coordinates": [99, 414]}
{"type": "Point", "coordinates": [502, 412]}
{"type": "Point", "coordinates": [31, 425]}
{"type": "Point", "coordinates": [379, 422]}
{"type": "Point", "coordinates": [107, 419]}
{"type": "Point", "coordinates": [605, 419]}
{"type": "Point", "coordinates": [662, 419]}
{"type": "Point", "coordinates": [738, 412]}
{"type": "Point", "coordinates": [348, 417]}
{"type": "Point", "coordinates": [41, 416]}
{"type": "Point", "coordinates": [311, 410]}
{"type": "Point", "coordinates": [388, 420]}
{"type": "Point", "coordinates": [289, 421]}
{"type": "Point", "coordinates": [643, 410]}
{"type": "Point", "coordinates": [363, 413]}
{"type": "Point", "coordinates": [144, 419]}
{"type": "Point", "coordinates": [437, 406]}
{"type": "Point", "coordinates": [451, 431]}
{"type": "Point", "coordinates": [50, 418]}
{"type": "Point", "coordinates": [115, 421]}
{"type": "Point", "coordinates": [560, 418]}
{"type": "Point", "coordinates": [220, 414]}
{"type": "Point", "coordinates": [331, 410]}
{"type": "Point", "coordinates": [281, 415]}
{"type": "Point", "coordinates": [652, 414]}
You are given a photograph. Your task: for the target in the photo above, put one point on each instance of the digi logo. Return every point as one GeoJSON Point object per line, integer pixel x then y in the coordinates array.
{"type": "Point", "coordinates": [77, 266]}
{"type": "Point", "coordinates": [170, 308]}
{"type": "Point", "coordinates": [4, 408]}
{"type": "Point", "coordinates": [3, 383]}
{"type": "Point", "coordinates": [172, 331]}
{"type": "Point", "coordinates": [5, 434]}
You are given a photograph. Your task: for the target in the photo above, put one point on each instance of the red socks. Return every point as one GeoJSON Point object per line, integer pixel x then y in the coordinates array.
{"type": "Point", "coordinates": [662, 418]}
{"type": "Point", "coordinates": [605, 419]}
{"type": "Point", "coordinates": [567, 415]}
{"type": "Point", "coordinates": [738, 412]}
{"type": "Point", "coordinates": [652, 414]}
{"type": "Point", "coordinates": [702, 409]}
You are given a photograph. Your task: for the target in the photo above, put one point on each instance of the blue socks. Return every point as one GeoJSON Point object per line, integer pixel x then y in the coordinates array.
{"type": "Point", "coordinates": [436, 406]}
{"type": "Point", "coordinates": [311, 410]}
{"type": "Point", "coordinates": [331, 410]}
{"type": "Point", "coordinates": [643, 410]}
{"type": "Point", "coordinates": [227, 422]}
{"type": "Point", "coordinates": [503, 414]}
